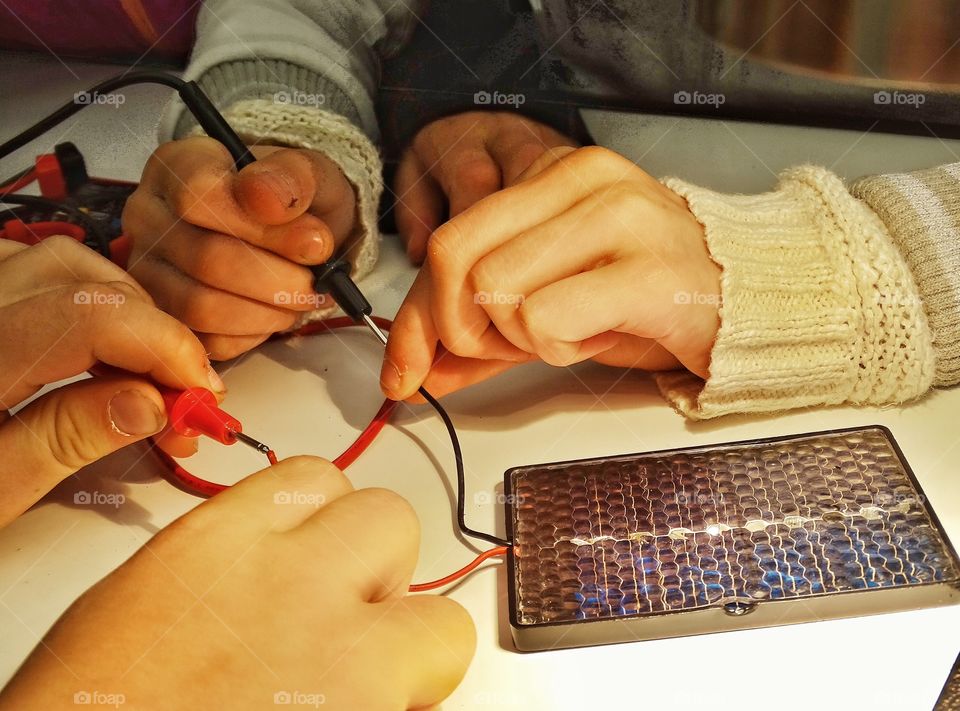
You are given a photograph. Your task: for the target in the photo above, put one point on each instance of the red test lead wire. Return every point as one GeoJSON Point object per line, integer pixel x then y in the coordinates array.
{"type": "Point", "coordinates": [492, 553]}
{"type": "Point", "coordinates": [194, 412]}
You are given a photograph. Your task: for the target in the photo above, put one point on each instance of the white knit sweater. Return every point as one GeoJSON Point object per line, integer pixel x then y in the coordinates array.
{"type": "Point", "coordinates": [818, 305]}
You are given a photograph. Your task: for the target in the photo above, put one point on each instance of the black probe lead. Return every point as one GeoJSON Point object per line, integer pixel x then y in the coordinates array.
{"type": "Point", "coordinates": [332, 277]}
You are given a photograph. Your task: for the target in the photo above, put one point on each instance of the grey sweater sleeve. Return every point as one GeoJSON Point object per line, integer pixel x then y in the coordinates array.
{"type": "Point", "coordinates": [315, 53]}
{"type": "Point", "coordinates": [922, 213]}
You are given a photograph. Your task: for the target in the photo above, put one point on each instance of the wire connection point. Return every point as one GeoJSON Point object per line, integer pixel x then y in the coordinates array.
{"type": "Point", "coordinates": [251, 442]}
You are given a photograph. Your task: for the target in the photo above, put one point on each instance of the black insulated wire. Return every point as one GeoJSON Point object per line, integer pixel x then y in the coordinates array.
{"type": "Point", "coordinates": [74, 106]}
{"type": "Point", "coordinates": [461, 476]}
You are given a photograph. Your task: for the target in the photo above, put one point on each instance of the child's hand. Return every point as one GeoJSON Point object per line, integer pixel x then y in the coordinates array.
{"type": "Point", "coordinates": [62, 309]}
{"type": "Point", "coordinates": [587, 257]}
{"type": "Point", "coordinates": [288, 588]}
{"type": "Point", "coordinates": [458, 160]}
{"type": "Point", "coordinates": [222, 251]}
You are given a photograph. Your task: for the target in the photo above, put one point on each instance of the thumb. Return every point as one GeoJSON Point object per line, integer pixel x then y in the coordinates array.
{"type": "Point", "coordinates": [278, 187]}
{"type": "Point", "coordinates": [69, 428]}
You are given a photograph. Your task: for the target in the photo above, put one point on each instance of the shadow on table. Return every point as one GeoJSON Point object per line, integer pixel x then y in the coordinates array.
{"type": "Point", "coordinates": [108, 487]}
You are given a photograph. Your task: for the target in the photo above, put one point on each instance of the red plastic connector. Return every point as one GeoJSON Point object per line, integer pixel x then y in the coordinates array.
{"type": "Point", "coordinates": [194, 412]}
{"type": "Point", "coordinates": [53, 185]}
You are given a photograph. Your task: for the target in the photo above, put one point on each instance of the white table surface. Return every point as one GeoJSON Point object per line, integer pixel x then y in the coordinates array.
{"type": "Point", "coordinates": [314, 395]}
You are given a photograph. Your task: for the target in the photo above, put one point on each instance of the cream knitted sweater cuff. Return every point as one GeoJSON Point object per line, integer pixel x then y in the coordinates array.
{"type": "Point", "coordinates": [818, 306]}
{"type": "Point", "coordinates": [268, 122]}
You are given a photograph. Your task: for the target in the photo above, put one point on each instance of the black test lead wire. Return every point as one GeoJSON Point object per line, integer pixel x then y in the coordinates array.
{"type": "Point", "coordinates": [457, 452]}
{"type": "Point", "coordinates": [332, 277]}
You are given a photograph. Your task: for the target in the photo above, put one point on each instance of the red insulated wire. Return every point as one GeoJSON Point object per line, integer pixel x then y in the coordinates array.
{"type": "Point", "coordinates": [21, 182]}
{"type": "Point", "coordinates": [492, 553]}
{"type": "Point", "coordinates": [192, 484]}
{"type": "Point", "coordinates": [366, 437]}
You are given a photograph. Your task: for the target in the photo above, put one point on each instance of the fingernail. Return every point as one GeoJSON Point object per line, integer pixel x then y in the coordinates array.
{"type": "Point", "coordinates": [281, 185]}
{"type": "Point", "coordinates": [391, 378]}
{"type": "Point", "coordinates": [134, 414]}
{"type": "Point", "coordinates": [216, 383]}
{"type": "Point", "coordinates": [315, 248]}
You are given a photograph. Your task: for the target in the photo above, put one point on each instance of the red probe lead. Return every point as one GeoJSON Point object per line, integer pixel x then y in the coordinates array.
{"type": "Point", "coordinates": [194, 412]}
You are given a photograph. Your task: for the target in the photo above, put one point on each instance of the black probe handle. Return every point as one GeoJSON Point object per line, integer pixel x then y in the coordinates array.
{"type": "Point", "coordinates": [332, 276]}
{"type": "Point", "coordinates": [214, 124]}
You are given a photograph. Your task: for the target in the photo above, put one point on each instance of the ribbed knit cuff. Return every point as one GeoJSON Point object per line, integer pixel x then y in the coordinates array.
{"type": "Point", "coordinates": [818, 307]}
{"type": "Point", "coordinates": [922, 212]}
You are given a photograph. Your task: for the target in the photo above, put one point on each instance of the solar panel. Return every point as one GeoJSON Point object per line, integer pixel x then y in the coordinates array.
{"type": "Point", "coordinates": [731, 536]}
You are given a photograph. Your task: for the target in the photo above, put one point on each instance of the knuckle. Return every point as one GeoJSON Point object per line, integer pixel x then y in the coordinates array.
{"type": "Point", "coordinates": [187, 346]}
{"type": "Point", "coordinates": [423, 139]}
{"type": "Point", "coordinates": [165, 153]}
{"type": "Point", "coordinates": [218, 348]}
{"type": "Point", "coordinates": [392, 508]}
{"type": "Point", "coordinates": [199, 312]}
{"type": "Point", "coordinates": [69, 444]}
{"type": "Point", "coordinates": [620, 197]}
{"type": "Point", "coordinates": [133, 213]}
{"type": "Point", "coordinates": [311, 472]}
{"type": "Point", "coordinates": [63, 246]}
{"type": "Point", "coordinates": [478, 172]}
{"type": "Point", "coordinates": [484, 276]}
{"type": "Point", "coordinates": [442, 247]}
{"type": "Point", "coordinates": [596, 155]}
{"type": "Point", "coordinates": [465, 343]}
{"type": "Point", "coordinates": [207, 260]}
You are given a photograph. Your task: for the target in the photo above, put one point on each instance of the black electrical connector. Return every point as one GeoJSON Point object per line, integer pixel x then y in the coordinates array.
{"type": "Point", "coordinates": [333, 278]}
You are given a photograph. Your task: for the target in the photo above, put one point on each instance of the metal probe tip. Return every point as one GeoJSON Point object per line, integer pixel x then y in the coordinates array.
{"type": "Point", "coordinates": [251, 442]}
{"type": "Point", "coordinates": [381, 336]}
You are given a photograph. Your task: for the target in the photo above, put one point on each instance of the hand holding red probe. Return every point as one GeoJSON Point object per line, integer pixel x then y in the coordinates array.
{"type": "Point", "coordinates": [62, 309]}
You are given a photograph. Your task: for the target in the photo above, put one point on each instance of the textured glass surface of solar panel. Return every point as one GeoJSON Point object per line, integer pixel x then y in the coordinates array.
{"type": "Point", "coordinates": [688, 529]}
